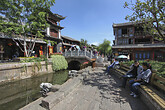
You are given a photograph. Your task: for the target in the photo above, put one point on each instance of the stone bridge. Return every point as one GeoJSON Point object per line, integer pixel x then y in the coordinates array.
{"type": "Point", "coordinates": [76, 58]}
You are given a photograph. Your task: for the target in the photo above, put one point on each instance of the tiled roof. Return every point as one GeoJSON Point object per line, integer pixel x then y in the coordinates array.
{"type": "Point", "coordinates": [69, 38]}
{"type": "Point", "coordinates": [54, 25]}
{"type": "Point", "coordinates": [139, 46]}
{"type": "Point", "coordinates": [56, 15]}
{"type": "Point", "coordinates": [131, 23]}
{"type": "Point", "coordinates": [59, 16]}
{"type": "Point", "coordinates": [38, 40]}
{"type": "Point", "coordinates": [67, 44]}
{"type": "Point", "coordinates": [123, 24]}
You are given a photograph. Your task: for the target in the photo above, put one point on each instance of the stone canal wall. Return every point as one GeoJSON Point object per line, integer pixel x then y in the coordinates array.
{"type": "Point", "coordinates": [23, 70]}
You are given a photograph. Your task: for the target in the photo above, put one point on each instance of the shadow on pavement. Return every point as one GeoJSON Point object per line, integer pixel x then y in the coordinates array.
{"type": "Point", "coordinates": [108, 86]}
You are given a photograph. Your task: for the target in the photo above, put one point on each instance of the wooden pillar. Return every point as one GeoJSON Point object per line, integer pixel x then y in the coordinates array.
{"type": "Point", "coordinates": [134, 41]}
{"type": "Point", "coordinates": [133, 56]}
{"type": "Point", "coordinates": [85, 51]}
{"type": "Point", "coordinates": [65, 52]}
{"type": "Point", "coordinates": [78, 52]}
{"type": "Point", "coordinates": [153, 55]}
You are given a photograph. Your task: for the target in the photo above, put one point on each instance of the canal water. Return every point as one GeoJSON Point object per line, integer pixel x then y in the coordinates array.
{"type": "Point", "coordinates": [16, 94]}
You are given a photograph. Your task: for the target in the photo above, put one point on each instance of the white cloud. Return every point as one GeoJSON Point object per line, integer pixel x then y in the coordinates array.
{"type": "Point", "coordinates": [95, 43]}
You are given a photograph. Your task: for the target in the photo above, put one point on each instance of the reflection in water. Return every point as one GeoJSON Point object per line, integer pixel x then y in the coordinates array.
{"type": "Point", "coordinates": [14, 95]}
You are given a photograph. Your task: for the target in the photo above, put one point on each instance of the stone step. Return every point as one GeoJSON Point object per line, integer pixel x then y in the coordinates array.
{"type": "Point", "coordinates": [55, 88]}
{"type": "Point", "coordinates": [50, 101]}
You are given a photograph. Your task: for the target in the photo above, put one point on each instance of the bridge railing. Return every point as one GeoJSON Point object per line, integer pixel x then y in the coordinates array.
{"type": "Point", "coordinates": [79, 53]}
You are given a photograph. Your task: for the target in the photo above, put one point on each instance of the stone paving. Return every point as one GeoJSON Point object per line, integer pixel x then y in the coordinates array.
{"type": "Point", "coordinates": [100, 92]}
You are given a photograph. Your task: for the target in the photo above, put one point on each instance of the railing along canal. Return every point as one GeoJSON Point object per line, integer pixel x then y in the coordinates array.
{"type": "Point", "coordinates": [79, 53]}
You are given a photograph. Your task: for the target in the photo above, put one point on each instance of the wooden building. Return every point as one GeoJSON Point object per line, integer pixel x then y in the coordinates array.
{"type": "Point", "coordinates": [53, 33]}
{"type": "Point", "coordinates": [68, 42]}
{"type": "Point", "coordinates": [9, 46]}
{"type": "Point", "coordinates": [131, 40]}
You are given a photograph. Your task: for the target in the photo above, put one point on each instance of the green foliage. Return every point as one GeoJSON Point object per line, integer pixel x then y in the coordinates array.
{"type": "Point", "coordinates": [24, 68]}
{"type": "Point", "coordinates": [60, 77]}
{"type": "Point", "coordinates": [94, 46]}
{"type": "Point", "coordinates": [39, 59]}
{"type": "Point", "coordinates": [105, 47]}
{"type": "Point", "coordinates": [83, 43]}
{"type": "Point", "coordinates": [37, 62]}
{"type": "Point", "coordinates": [52, 42]}
{"type": "Point", "coordinates": [158, 66]}
{"type": "Point", "coordinates": [59, 62]}
{"type": "Point", "coordinates": [151, 13]}
{"type": "Point", "coordinates": [23, 18]}
{"type": "Point", "coordinates": [38, 65]}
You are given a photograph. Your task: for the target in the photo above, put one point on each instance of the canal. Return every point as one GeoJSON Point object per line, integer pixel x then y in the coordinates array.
{"type": "Point", "coordinates": [16, 94]}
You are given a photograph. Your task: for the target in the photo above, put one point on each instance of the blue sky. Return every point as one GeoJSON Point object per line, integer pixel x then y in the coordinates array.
{"type": "Point", "coordinates": [90, 19]}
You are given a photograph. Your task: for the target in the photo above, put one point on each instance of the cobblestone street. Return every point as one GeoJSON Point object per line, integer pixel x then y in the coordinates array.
{"type": "Point", "coordinates": [100, 92]}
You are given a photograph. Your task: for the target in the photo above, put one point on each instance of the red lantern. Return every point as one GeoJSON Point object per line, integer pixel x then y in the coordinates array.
{"type": "Point", "coordinates": [10, 44]}
{"type": "Point", "coordinates": [41, 47]}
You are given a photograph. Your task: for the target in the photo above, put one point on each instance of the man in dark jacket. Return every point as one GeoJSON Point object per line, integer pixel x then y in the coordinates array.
{"type": "Point", "coordinates": [135, 69]}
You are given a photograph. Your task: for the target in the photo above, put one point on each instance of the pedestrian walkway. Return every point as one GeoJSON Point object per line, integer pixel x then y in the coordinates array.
{"type": "Point", "coordinates": [100, 92]}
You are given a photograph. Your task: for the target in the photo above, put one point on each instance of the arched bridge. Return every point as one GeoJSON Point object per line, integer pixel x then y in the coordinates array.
{"type": "Point", "coordinates": [76, 58]}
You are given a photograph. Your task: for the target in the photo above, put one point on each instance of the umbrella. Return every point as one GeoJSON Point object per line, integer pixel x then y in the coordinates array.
{"type": "Point", "coordinates": [77, 47]}
{"type": "Point", "coordinates": [122, 56]}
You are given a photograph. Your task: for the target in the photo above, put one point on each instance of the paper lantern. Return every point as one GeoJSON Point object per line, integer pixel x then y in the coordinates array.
{"type": "Point", "coordinates": [10, 44]}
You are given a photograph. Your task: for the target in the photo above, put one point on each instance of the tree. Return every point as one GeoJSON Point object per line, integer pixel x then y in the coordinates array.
{"type": "Point", "coordinates": [83, 43]}
{"type": "Point", "coordinates": [105, 47]}
{"type": "Point", "coordinates": [151, 13]}
{"type": "Point", "coordinates": [24, 19]}
{"type": "Point", "coordinates": [94, 46]}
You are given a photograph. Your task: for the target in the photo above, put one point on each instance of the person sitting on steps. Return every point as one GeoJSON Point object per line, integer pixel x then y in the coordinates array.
{"type": "Point", "coordinates": [142, 79]}
{"type": "Point", "coordinates": [116, 62]}
{"type": "Point", "coordinates": [135, 69]}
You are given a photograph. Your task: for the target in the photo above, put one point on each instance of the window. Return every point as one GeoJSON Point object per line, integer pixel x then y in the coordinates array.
{"type": "Point", "coordinates": [119, 32]}
{"type": "Point", "coordinates": [144, 55]}
{"type": "Point", "coordinates": [131, 35]}
{"type": "Point", "coordinates": [136, 55]}
{"type": "Point", "coordinates": [131, 32]}
{"type": "Point", "coordinates": [140, 55]}
{"type": "Point", "coordinates": [124, 31]}
{"type": "Point", "coordinates": [127, 41]}
{"type": "Point", "coordinates": [148, 55]}
{"type": "Point", "coordinates": [115, 32]}
{"type": "Point", "coordinates": [123, 41]}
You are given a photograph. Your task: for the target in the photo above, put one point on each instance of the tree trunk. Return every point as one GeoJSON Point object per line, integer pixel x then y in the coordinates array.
{"type": "Point", "coordinates": [25, 48]}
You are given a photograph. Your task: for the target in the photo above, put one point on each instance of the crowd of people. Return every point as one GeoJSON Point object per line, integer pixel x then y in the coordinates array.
{"type": "Point", "coordinates": [137, 75]}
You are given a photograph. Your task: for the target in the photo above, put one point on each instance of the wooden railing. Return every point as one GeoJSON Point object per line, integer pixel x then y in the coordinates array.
{"type": "Point", "coordinates": [158, 81]}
